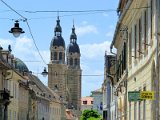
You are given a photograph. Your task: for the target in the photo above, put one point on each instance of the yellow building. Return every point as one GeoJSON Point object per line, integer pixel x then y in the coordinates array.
{"type": "Point", "coordinates": [136, 39]}
{"type": "Point", "coordinates": [57, 107]}
{"type": "Point", "coordinates": [10, 82]}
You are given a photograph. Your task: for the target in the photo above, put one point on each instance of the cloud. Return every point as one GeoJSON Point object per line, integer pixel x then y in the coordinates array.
{"type": "Point", "coordinates": [109, 34]}
{"type": "Point", "coordinates": [24, 49]}
{"type": "Point", "coordinates": [24, 44]}
{"type": "Point", "coordinates": [85, 28]}
{"type": "Point", "coordinates": [93, 51]}
{"type": "Point", "coordinates": [92, 64]}
{"type": "Point", "coordinates": [6, 42]}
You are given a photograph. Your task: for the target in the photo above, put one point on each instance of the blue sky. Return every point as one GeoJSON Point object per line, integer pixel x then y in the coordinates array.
{"type": "Point", "coordinates": [94, 31]}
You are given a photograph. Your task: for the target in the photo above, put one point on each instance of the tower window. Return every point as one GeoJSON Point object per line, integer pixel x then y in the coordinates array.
{"type": "Point", "coordinates": [55, 55]}
{"type": "Point", "coordinates": [71, 61]}
{"type": "Point", "coordinates": [67, 61]}
{"type": "Point", "coordinates": [55, 74]}
{"type": "Point", "coordinates": [76, 61]}
{"type": "Point", "coordinates": [51, 56]}
{"type": "Point", "coordinates": [60, 56]}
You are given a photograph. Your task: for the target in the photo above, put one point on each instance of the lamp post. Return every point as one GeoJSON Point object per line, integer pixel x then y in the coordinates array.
{"type": "Point", "coordinates": [16, 30]}
{"type": "Point", "coordinates": [44, 73]}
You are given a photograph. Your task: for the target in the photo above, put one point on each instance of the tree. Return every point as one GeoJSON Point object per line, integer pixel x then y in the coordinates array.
{"type": "Point", "coordinates": [90, 115]}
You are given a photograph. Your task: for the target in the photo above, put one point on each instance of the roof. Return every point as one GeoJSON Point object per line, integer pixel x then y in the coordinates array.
{"type": "Point", "coordinates": [73, 48]}
{"type": "Point", "coordinates": [120, 22]}
{"type": "Point", "coordinates": [21, 66]}
{"type": "Point", "coordinates": [57, 41]}
{"type": "Point", "coordinates": [97, 91]}
{"type": "Point", "coordinates": [69, 115]}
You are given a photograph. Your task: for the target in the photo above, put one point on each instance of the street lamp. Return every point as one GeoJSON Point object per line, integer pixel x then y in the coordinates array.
{"type": "Point", "coordinates": [44, 73]}
{"type": "Point", "coordinates": [16, 30]}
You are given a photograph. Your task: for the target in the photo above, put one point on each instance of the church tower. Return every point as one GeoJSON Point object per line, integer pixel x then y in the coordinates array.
{"type": "Point", "coordinates": [74, 72]}
{"type": "Point", "coordinates": [57, 67]}
{"type": "Point", "coordinates": [65, 77]}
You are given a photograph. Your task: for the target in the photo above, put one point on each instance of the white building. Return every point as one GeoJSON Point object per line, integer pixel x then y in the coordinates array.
{"type": "Point", "coordinates": [98, 100]}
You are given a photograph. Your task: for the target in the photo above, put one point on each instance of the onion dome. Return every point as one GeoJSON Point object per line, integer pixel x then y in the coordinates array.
{"type": "Point", "coordinates": [58, 26]}
{"type": "Point", "coordinates": [73, 46]}
{"type": "Point", "coordinates": [21, 66]}
{"type": "Point", "coordinates": [73, 35]}
{"type": "Point", "coordinates": [58, 39]}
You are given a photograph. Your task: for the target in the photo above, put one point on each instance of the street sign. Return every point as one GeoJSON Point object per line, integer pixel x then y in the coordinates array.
{"type": "Point", "coordinates": [133, 96]}
{"type": "Point", "coordinates": [147, 95]}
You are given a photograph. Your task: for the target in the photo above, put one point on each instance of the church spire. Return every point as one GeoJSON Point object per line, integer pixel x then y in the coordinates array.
{"type": "Point", "coordinates": [73, 37]}
{"type": "Point", "coordinates": [58, 29]}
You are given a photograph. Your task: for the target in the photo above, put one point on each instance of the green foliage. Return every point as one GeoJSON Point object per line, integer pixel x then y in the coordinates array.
{"type": "Point", "coordinates": [90, 115]}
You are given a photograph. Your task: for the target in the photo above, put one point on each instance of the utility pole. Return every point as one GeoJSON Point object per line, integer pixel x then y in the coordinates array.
{"type": "Point", "coordinates": [157, 58]}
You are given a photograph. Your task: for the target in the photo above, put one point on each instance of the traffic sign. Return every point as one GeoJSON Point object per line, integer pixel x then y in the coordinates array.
{"type": "Point", "coordinates": [133, 96]}
{"type": "Point", "coordinates": [147, 95]}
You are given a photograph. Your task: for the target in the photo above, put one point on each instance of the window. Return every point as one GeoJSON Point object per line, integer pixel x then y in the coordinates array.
{"type": "Point", "coordinates": [130, 111]}
{"type": "Point", "coordinates": [140, 37]}
{"type": "Point", "coordinates": [55, 55]}
{"type": "Point", "coordinates": [135, 41]}
{"type": "Point", "coordinates": [67, 61]}
{"type": "Point", "coordinates": [135, 110]}
{"type": "Point", "coordinates": [85, 102]}
{"type": "Point", "coordinates": [51, 56]}
{"type": "Point", "coordinates": [91, 102]}
{"type": "Point", "coordinates": [60, 56]}
{"type": "Point", "coordinates": [71, 61]}
{"type": "Point", "coordinates": [151, 4]}
{"type": "Point", "coordinates": [144, 106]}
{"type": "Point", "coordinates": [139, 109]}
{"type": "Point", "coordinates": [145, 30]}
{"type": "Point", "coordinates": [124, 56]}
{"type": "Point", "coordinates": [130, 47]}
{"type": "Point", "coordinates": [76, 61]}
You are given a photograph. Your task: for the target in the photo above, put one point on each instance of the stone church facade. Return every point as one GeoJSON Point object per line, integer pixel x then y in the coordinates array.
{"type": "Point", "coordinates": [64, 71]}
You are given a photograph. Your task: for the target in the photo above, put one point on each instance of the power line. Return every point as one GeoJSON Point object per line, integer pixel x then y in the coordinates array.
{"type": "Point", "coordinates": [67, 15]}
{"type": "Point", "coordinates": [74, 11]}
{"type": "Point", "coordinates": [25, 20]}
{"type": "Point", "coordinates": [68, 11]}
{"type": "Point", "coordinates": [35, 43]}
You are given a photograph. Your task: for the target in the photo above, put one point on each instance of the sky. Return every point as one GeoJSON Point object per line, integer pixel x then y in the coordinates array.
{"type": "Point", "coordinates": [94, 29]}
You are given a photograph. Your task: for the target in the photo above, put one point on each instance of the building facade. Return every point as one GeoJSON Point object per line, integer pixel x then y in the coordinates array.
{"type": "Point", "coordinates": [136, 39]}
{"type": "Point", "coordinates": [23, 95]}
{"type": "Point", "coordinates": [64, 72]}
{"type": "Point", "coordinates": [98, 100]}
{"type": "Point", "coordinates": [87, 103]}
{"type": "Point", "coordinates": [108, 88]}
